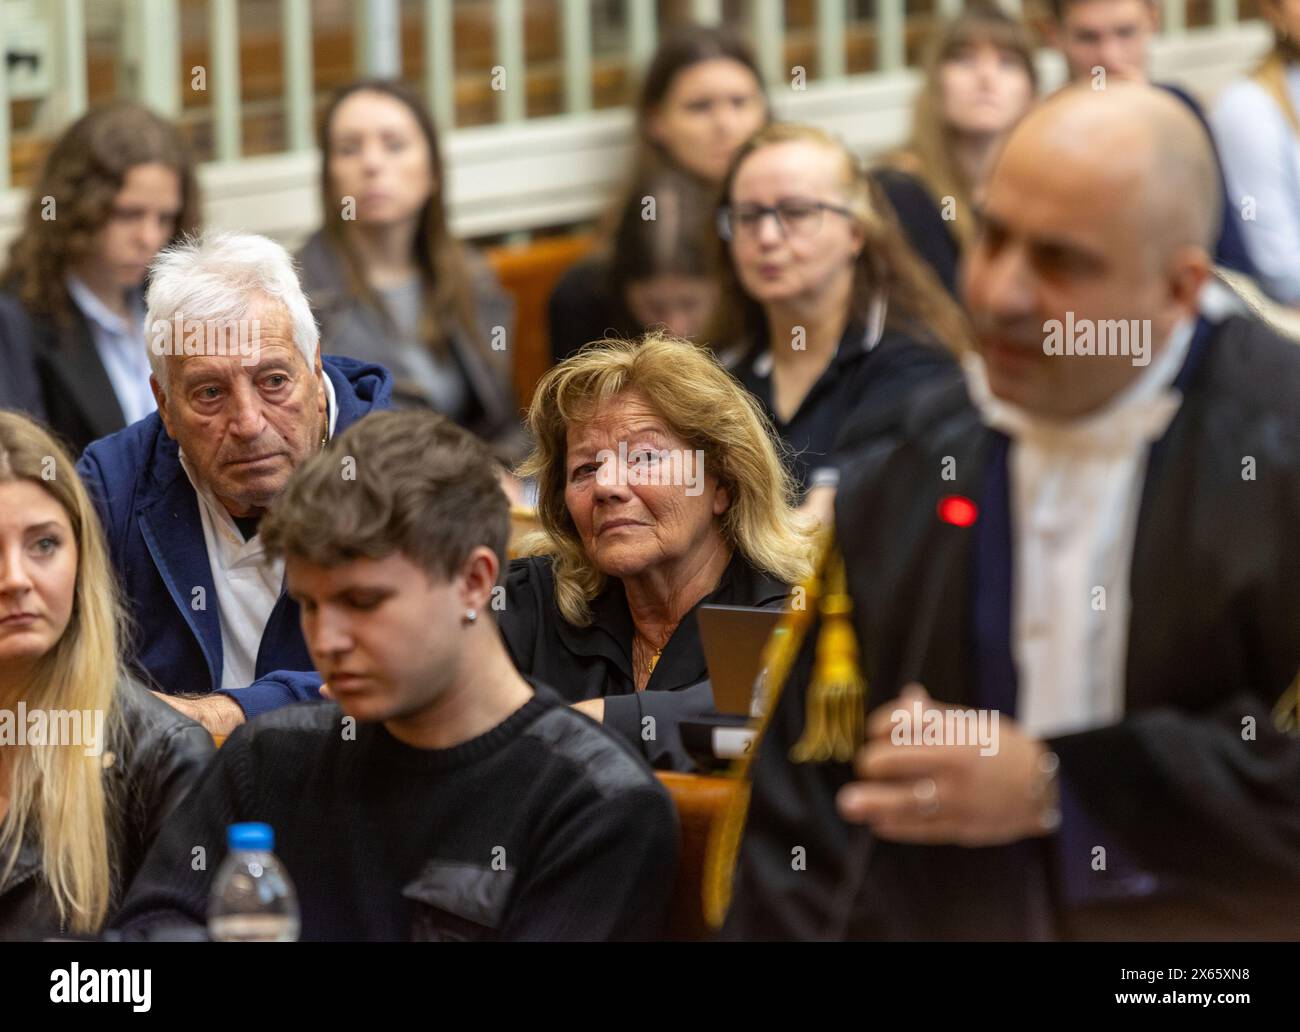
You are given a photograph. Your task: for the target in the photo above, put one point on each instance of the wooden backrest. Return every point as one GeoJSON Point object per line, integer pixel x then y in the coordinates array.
{"type": "Point", "coordinates": [700, 802]}
{"type": "Point", "coordinates": [529, 273]}
{"type": "Point", "coordinates": [523, 521]}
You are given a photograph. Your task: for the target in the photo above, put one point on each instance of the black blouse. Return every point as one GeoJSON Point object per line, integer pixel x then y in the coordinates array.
{"type": "Point", "coordinates": [867, 378]}
{"type": "Point", "coordinates": [595, 661]}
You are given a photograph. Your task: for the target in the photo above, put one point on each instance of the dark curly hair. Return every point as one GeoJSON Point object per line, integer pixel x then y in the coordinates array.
{"type": "Point", "coordinates": [84, 171]}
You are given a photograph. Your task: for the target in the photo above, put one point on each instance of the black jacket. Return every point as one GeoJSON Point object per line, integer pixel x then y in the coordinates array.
{"type": "Point", "coordinates": [152, 756]}
{"type": "Point", "coordinates": [77, 397]}
{"type": "Point", "coordinates": [1211, 818]}
{"type": "Point", "coordinates": [595, 661]}
{"type": "Point", "coordinates": [866, 383]}
{"type": "Point", "coordinates": [20, 385]}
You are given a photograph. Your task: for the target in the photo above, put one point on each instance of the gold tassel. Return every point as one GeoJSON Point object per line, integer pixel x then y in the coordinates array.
{"type": "Point", "coordinates": [780, 653]}
{"type": "Point", "coordinates": [836, 724]}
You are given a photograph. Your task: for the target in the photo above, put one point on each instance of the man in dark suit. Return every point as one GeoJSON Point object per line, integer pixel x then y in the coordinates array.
{"type": "Point", "coordinates": [1088, 554]}
{"type": "Point", "coordinates": [244, 398]}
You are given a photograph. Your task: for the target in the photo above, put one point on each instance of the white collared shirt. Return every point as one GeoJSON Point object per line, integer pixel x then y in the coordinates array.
{"type": "Point", "coordinates": [1076, 487]}
{"type": "Point", "coordinates": [121, 348]}
{"type": "Point", "coordinates": [247, 584]}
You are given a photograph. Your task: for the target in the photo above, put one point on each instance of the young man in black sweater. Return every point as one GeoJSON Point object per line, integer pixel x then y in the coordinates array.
{"type": "Point", "coordinates": [440, 795]}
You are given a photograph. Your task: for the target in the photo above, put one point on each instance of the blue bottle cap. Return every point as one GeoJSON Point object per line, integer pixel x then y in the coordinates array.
{"type": "Point", "coordinates": [252, 836]}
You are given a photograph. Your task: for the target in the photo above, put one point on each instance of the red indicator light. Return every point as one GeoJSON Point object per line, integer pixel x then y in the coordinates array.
{"type": "Point", "coordinates": [959, 511]}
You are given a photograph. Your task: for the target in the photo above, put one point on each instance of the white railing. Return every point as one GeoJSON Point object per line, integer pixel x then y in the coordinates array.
{"type": "Point", "coordinates": [521, 172]}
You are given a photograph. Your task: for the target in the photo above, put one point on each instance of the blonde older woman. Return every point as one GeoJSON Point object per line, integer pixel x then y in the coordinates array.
{"type": "Point", "coordinates": [660, 488]}
{"type": "Point", "coordinates": [80, 802]}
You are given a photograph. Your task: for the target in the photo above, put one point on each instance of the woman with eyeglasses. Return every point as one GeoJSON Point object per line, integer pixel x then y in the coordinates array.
{"type": "Point", "coordinates": [825, 312]}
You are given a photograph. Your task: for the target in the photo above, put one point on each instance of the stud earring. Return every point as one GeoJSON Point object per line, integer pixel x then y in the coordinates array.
{"type": "Point", "coordinates": [471, 615]}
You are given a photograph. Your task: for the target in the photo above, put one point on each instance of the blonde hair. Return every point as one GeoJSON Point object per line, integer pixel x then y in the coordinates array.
{"type": "Point", "coordinates": [57, 791]}
{"type": "Point", "coordinates": [709, 410]}
{"type": "Point", "coordinates": [917, 302]}
{"type": "Point", "coordinates": [928, 153]}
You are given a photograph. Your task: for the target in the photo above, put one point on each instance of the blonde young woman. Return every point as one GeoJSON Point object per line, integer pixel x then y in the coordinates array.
{"type": "Point", "coordinates": [82, 799]}
{"type": "Point", "coordinates": [660, 488]}
{"type": "Point", "coordinates": [978, 82]}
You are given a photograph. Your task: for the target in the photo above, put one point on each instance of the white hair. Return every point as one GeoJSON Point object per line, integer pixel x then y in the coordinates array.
{"type": "Point", "coordinates": [220, 277]}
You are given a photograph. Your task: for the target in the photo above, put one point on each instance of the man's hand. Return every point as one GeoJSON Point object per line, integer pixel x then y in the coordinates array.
{"type": "Point", "coordinates": [220, 714]}
{"type": "Point", "coordinates": [594, 708]}
{"type": "Point", "coordinates": [947, 794]}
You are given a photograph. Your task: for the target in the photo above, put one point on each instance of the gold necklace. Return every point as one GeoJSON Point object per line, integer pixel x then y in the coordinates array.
{"type": "Point", "coordinates": [639, 643]}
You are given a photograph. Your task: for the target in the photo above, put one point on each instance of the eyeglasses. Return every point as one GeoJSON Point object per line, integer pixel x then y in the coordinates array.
{"type": "Point", "coordinates": [794, 218]}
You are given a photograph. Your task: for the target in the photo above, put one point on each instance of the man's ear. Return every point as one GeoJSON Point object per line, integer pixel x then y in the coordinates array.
{"type": "Point", "coordinates": [322, 398]}
{"type": "Point", "coordinates": [160, 399]}
{"type": "Point", "coordinates": [478, 576]}
{"type": "Point", "coordinates": [1189, 269]}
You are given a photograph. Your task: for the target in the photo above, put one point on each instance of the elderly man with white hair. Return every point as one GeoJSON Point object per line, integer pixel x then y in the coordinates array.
{"type": "Point", "coordinates": [244, 398]}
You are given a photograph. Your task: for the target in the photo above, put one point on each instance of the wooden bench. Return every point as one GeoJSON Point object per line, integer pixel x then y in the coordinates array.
{"type": "Point", "coordinates": [701, 802]}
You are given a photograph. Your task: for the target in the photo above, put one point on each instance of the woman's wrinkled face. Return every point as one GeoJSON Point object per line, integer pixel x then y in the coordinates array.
{"type": "Point", "coordinates": [985, 89]}
{"type": "Point", "coordinates": [638, 495]}
{"type": "Point", "coordinates": [711, 108]}
{"type": "Point", "coordinates": [379, 161]}
{"type": "Point", "coordinates": [38, 573]}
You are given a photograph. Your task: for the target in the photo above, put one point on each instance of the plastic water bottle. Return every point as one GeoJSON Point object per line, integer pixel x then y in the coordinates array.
{"type": "Point", "coordinates": [252, 898]}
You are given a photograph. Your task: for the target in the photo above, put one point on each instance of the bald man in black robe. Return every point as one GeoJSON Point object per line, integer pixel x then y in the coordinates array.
{"type": "Point", "coordinates": [1089, 551]}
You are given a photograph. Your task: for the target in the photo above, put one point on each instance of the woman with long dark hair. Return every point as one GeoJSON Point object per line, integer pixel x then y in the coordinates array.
{"type": "Point", "coordinates": [117, 187]}
{"type": "Point", "coordinates": [386, 278]}
{"type": "Point", "coordinates": [657, 271]}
